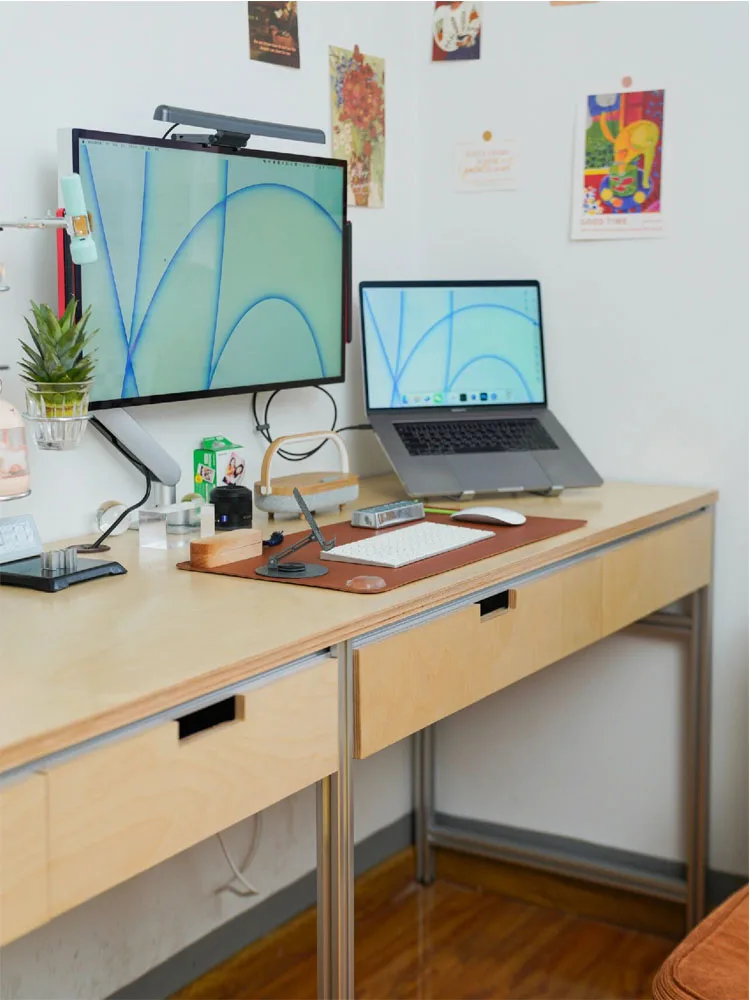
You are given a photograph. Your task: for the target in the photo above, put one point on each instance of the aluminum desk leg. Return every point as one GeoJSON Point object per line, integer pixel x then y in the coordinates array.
{"type": "Point", "coordinates": [326, 929]}
{"type": "Point", "coordinates": [698, 751]}
{"type": "Point", "coordinates": [424, 802]}
{"type": "Point", "coordinates": [342, 837]}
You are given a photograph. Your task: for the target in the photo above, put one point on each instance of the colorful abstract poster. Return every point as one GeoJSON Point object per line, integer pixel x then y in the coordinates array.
{"type": "Point", "coordinates": [617, 179]}
{"type": "Point", "coordinates": [358, 122]}
{"type": "Point", "coordinates": [274, 33]}
{"type": "Point", "coordinates": [456, 30]}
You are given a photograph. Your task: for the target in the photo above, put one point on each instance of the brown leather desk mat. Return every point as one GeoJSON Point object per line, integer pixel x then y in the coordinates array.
{"type": "Point", "coordinates": [505, 538]}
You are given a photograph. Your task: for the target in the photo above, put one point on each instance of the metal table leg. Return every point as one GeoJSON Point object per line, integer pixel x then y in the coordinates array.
{"type": "Point", "coordinates": [336, 853]}
{"type": "Point", "coordinates": [424, 802]}
{"type": "Point", "coordinates": [325, 890]}
{"type": "Point", "coordinates": [698, 743]}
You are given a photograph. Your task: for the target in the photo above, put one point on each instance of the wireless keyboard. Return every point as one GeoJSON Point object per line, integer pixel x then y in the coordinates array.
{"type": "Point", "coordinates": [406, 545]}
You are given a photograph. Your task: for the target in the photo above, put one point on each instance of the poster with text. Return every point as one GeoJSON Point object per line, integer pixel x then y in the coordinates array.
{"type": "Point", "coordinates": [274, 33]}
{"type": "Point", "coordinates": [486, 166]}
{"type": "Point", "coordinates": [456, 30]}
{"type": "Point", "coordinates": [617, 175]}
{"type": "Point", "coordinates": [357, 85]}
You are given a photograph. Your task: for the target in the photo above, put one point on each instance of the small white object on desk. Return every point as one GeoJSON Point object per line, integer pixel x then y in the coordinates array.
{"type": "Point", "coordinates": [403, 546]}
{"type": "Point", "coordinates": [490, 515]}
{"type": "Point", "coordinates": [19, 538]}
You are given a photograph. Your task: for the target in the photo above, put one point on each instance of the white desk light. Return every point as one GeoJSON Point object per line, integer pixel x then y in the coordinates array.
{"type": "Point", "coordinates": [76, 221]}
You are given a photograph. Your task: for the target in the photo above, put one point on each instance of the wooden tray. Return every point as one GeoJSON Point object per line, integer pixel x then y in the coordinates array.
{"type": "Point", "coordinates": [504, 540]}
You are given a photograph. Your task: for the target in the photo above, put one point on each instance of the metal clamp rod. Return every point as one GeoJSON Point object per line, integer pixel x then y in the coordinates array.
{"type": "Point", "coordinates": [665, 620]}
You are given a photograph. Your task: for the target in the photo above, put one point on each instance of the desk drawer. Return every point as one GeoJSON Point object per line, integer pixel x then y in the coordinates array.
{"type": "Point", "coordinates": [650, 572]}
{"type": "Point", "coordinates": [118, 810]}
{"type": "Point", "coordinates": [23, 857]}
{"type": "Point", "coordinates": [410, 680]}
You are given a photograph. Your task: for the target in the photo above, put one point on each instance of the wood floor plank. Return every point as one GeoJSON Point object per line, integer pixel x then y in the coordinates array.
{"type": "Point", "coordinates": [447, 941]}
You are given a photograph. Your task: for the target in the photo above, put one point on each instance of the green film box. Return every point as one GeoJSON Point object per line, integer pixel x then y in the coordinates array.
{"type": "Point", "coordinates": [218, 462]}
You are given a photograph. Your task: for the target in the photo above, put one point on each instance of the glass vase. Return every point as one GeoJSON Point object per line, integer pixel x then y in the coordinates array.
{"type": "Point", "coordinates": [57, 413]}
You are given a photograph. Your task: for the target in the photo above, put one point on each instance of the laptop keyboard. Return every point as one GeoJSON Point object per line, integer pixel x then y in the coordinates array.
{"type": "Point", "coordinates": [465, 437]}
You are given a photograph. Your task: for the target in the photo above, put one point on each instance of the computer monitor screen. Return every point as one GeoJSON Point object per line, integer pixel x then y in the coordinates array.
{"type": "Point", "coordinates": [452, 344]}
{"type": "Point", "coordinates": [218, 272]}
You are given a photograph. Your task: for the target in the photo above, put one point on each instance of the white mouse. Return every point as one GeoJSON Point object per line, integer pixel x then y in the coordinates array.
{"type": "Point", "coordinates": [490, 515]}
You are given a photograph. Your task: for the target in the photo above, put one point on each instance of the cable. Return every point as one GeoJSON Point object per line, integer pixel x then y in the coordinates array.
{"type": "Point", "coordinates": [94, 546]}
{"type": "Point", "coordinates": [250, 889]}
{"type": "Point", "coordinates": [265, 427]}
{"type": "Point", "coordinates": [297, 456]}
{"type": "Point", "coordinates": [170, 129]}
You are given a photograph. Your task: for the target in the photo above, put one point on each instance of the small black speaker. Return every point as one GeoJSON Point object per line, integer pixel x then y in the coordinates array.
{"type": "Point", "coordinates": [233, 507]}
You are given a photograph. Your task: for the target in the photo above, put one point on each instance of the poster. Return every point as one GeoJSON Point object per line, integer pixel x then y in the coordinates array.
{"type": "Point", "coordinates": [486, 166]}
{"type": "Point", "coordinates": [357, 86]}
{"type": "Point", "coordinates": [617, 176]}
{"type": "Point", "coordinates": [456, 30]}
{"type": "Point", "coordinates": [274, 33]}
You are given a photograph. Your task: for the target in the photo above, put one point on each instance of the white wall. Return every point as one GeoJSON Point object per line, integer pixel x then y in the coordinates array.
{"type": "Point", "coordinates": [647, 357]}
{"type": "Point", "coordinates": [133, 57]}
{"type": "Point", "coordinates": [647, 350]}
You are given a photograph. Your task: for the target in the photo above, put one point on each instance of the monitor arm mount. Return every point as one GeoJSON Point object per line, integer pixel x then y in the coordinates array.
{"type": "Point", "coordinates": [126, 435]}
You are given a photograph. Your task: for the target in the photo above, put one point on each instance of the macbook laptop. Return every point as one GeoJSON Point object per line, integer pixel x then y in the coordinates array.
{"type": "Point", "coordinates": [456, 392]}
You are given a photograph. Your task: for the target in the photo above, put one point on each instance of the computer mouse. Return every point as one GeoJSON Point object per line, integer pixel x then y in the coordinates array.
{"type": "Point", "coordinates": [490, 515]}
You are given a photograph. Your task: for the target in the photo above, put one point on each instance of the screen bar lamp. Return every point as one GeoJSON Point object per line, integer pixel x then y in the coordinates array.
{"type": "Point", "coordinates": [231, 132]}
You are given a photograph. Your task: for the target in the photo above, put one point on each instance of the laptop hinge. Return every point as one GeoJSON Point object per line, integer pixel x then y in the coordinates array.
{"type": "Point", "coordinates": [551, 491]}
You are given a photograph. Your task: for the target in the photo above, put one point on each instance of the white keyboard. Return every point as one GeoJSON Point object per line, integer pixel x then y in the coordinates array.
{"type": "Point", "coordinates": [406, 545]}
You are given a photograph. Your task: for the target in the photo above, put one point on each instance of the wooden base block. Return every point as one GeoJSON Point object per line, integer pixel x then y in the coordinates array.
{"type": "Point", "coordinates": [229, 547]}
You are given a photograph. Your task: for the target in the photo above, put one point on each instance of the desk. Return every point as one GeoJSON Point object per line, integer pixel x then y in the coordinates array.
{"type": "Point", "coordinates": [94, 680]}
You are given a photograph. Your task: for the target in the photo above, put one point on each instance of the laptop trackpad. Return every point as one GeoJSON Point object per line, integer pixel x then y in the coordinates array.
{"type": "Point", "coordinates": [486, 473]}
{"type": "Point", "coordinates": [430, 477]}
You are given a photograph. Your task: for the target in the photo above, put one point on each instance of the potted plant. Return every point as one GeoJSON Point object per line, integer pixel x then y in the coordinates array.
{"type": "Point", "coordinates": [58, 369]}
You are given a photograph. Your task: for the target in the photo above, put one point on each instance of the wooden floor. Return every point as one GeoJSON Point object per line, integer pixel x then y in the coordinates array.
{"type": "Point", "coordinates": [447, 941]}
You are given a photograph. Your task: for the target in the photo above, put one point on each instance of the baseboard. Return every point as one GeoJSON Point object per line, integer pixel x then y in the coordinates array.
{"type": "Point", "coordinates": [225, 941]}
{"type": "Point", "coordinates": [719, 885]}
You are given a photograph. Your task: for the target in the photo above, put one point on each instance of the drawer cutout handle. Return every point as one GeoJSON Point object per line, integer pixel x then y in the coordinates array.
{"type": "Point", "coordinates": [496, 605]}
{"type": "Point", "coordinates": [219, 714]}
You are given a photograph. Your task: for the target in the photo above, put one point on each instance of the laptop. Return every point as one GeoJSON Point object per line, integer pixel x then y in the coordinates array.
{"type": "Point", "coordinates": [456, 392]}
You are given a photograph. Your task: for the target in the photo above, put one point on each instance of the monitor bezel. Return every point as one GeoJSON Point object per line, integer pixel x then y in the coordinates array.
{"type": "Point", "coordinates": [462, 407]}
{"type": "Point", "coordinates": [72, 272]}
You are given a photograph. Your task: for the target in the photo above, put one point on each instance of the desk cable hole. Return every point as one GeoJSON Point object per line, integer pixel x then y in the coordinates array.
{"type": "Point", "coordinates": [218, 714]}
{"type": "Point", "coordinates": [496, 604]}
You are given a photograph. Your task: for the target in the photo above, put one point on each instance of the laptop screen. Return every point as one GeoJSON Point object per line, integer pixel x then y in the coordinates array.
{"type": "Point", "coordinates": [436, 344]}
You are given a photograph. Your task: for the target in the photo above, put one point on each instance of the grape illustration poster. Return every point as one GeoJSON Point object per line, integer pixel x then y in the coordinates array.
{"type": "Point", "coordinates": [618, 172]}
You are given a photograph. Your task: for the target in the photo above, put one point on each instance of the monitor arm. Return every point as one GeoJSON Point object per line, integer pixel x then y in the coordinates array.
{"type": "Point", "coordinates": [136, 444]}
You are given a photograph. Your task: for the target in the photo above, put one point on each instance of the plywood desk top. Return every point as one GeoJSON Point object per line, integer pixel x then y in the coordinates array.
{"type": "Point", "coordinates": [104, 654]}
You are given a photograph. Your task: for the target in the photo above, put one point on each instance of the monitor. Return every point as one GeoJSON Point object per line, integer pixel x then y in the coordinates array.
{"type": "Point", "coordinates": [452, 344]}
{"type": "Point", "coordinates": [219, 271]}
